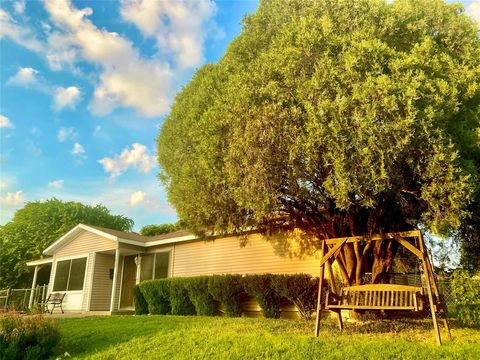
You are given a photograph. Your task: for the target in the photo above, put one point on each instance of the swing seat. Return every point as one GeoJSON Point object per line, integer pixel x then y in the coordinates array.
{"type": "Point", "coordinates": [376, 297]}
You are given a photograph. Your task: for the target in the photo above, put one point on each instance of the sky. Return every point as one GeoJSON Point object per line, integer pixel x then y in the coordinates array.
{"type": "Point", "coordinates": [84, 88]}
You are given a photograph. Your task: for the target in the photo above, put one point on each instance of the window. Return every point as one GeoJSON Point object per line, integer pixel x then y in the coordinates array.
{"type": "Point", "coordinates": [69, 275]}
{"type": "Point", "coordinates": [155, 266]}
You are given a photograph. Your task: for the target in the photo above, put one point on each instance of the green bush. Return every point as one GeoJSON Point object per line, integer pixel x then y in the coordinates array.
{"type": "Point", "coordinates": [157, 295]}
{"type": "Point", "coordinates": [203, 301]}
{"type": "Point", "coordinates": [179, 299]}
{"type": "Point", "coordinates": [27, 337]}
{"type": "Point", "coordinates": [228, 290]}
{"type": "Point", "coordinates": [466, 299]}
{"type": "Point", "coordinates": [141, 306]}
{"type": "Point", "coordinates": [260, 287]}
{"type": "Point", "coordinates": [300, 289]}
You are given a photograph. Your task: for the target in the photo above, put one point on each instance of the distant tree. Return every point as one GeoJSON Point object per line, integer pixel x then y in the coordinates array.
{"type": "Point", "coordinates": [341, 118]}
{"type": "Point", "coordinates": [152, 230]}
{"type": "Point", "coordinates": [39, 224]}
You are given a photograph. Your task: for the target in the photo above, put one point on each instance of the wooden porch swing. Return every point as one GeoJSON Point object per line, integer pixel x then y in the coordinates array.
{"type": "Point", "coordinates": [388, 297]}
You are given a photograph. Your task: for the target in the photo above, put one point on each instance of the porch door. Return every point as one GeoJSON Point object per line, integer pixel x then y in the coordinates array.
{"type": "Point", "coordinates": [129, 275]}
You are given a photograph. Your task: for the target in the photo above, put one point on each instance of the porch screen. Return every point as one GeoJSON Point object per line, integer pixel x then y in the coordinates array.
{"type": "Point", "coordinates": [70, 274]}
{"type": "Point", "coordinates": [155, 266]}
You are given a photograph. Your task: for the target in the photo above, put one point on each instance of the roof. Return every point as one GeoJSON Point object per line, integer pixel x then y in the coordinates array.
{"type": "Point", "coordinates": [121, 237]}
{"type": "Point", "coordinates": [40, 261]}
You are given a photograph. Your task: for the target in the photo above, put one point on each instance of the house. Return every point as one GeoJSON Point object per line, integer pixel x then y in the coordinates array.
{"type": "Point", "coordinates": [97, 268]}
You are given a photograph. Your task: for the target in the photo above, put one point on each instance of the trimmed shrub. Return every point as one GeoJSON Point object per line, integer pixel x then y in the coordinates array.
{"type": "Point", "coordinates": [27, 338]}
{"type": "Point", "coordinates": [141, 306]}
{"type": "Point", "coordinates": [203, 301]}
{"type": "Point", "coordinates": [260, 287]}
{"type": "Point", "coordinates": [179, 299]}
{"type": "Point", "coordinates": [466, 299]}
{"type": "Point", "coordinates": [228, 290]}
{"type": "Point", "coordinates": [300, 289]}
{"type": "Point", "coordinates": [157, 295]}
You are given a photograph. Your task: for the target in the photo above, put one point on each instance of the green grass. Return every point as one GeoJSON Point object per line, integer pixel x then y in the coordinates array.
{"type": "Point", "coordinates": [185, 337]}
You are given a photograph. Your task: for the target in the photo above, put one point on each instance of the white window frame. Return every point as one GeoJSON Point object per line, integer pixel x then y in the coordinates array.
{"type": "Point", "coordinates": [64, 258]}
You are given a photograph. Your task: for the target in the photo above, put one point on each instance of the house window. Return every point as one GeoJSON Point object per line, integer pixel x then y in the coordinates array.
{"type": "Point", "coordinates": [70, 274]}
{"type": "Point", "coordinates": [155, 266]}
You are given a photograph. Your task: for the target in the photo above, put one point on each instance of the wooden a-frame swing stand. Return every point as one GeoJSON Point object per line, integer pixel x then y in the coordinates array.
{"type": "Point", "coordinates": [380, 296]}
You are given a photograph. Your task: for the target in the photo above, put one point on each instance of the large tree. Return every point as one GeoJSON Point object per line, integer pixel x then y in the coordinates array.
{"type": "Point", "coordinates": [340, 118]}
{"type": "Point", "coordinates": [37, 225]}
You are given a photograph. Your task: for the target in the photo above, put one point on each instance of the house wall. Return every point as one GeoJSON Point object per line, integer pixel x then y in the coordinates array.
{"type": "Point", "coordinates": [84, 245]}
{"type": "Point", "coordinates": [101, 283]}
{"type": "Point", "coordinates": [226, 255]}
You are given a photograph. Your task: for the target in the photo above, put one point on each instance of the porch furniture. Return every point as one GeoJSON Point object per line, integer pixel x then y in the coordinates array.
{"type": "Point", "coordinates": [376, 297]}
{"type": "Point", "coordinates": [54, 299]}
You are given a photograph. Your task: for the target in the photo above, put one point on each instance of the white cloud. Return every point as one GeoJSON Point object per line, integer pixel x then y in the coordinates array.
{"type": "Point", "coordinates": [177, 25]}
{"type": "Point", "coordinates": [3, 185]}
{"type": "Point", "coordinates": [127, 79]}
{"type": "Point", "coordinates": [24, 77]}
{"type": "Point", "coordinates": [97, 130]}
{"type": "Point", "coordinates": [5, 122]}
{"type": "Point", "coordinates": [136, 198]}
{"type": "Point", "coordinates": [66, 97]}
{"type": "Point", "coordinates": [138, 157]}
{"type": "Point", "coordinates": [12, 199]}
{"type": "Point", "coordinates": [78, 149]}
{"type": "Point", "coordinates": [66, 133]}
{"type": "Point", "coordinates": [19, 6]}
{"type": "Point", "coordinates": [22, 35]}
{"type": "Point", "coordinates": [56, 184]}
{"type": "Point", "coordinates": [474, 10]}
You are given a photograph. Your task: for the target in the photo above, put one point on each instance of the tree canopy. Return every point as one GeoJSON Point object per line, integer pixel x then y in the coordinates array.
{"type": "Point", "coordinates": [152, 230]}
{"type": "Point", "coordinates": [336, 117]}
{"type": "Point", "coordinates": [37, 225]}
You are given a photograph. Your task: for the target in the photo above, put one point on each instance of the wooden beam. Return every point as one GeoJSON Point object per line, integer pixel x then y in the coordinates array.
{"type": "Point", "coordinates": [320, 288]}
{"type": "Point", "coordinates": [426, 274]}
{"type": "Point", "coordinates": [332, 251]}
{"type": "Point", "coordinates": [351, 239]}
{"type": "Point", "coordinates": [410, 247]}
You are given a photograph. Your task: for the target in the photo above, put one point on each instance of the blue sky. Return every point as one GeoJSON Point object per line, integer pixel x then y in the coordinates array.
{"type": "Point", "coordinates": [85, 86]}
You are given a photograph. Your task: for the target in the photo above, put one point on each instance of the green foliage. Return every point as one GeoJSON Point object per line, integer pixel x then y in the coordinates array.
{"type": "Point", "coordinates": [179, 299]}
{"type": "Point", "coordinates": [300, 289]}
{"type": "Point", "coordinates": [37, 225]}
{"type": "Point", "coordinates": [141, 305]}
{"type": "Point", "coordinates": [157, 296]}
{"type": "Point", "coordinates": [28, 338]}
{"type": "Point", "coordinates": [152, 230]}
{"type": "Point", "coordinates": [260, 287]}
{"type": "Point", "coordinates": [465, 291]}
{"type": "Point", "coordinates": [360, 113]}
{"type": "Point", "coordinates": [198, 293]}
{"type": "Point", "coordinates": [228, 290]}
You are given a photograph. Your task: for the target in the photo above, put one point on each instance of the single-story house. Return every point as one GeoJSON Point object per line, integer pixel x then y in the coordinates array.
{"type": "Point", "coordinates": [97, 268]}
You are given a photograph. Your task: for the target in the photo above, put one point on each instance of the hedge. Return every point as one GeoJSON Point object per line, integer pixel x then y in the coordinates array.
{"type": "Point", "coordinates": [229, 291]}
{"type": "Point", "coordinates": [201, 294]}
{"type": "Point", "coordinates": [260, 287]}
{"type": "Point", "coordinates": [203, 301]}
{"type": "Point", "coordinates": [157, 295]}
{"type": "Point", "coordinates": [141, 305]}
{"type": "Point", "coordinates": [179, 299]}
{"type": "Point", "coordinates": [300, 289]}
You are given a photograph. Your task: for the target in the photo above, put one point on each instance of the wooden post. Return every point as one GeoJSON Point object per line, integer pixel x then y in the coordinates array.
{"type": "Point", "coordinates": [428, 284]}
{"type": "Point", "coordinates": [437, 294]}
{"type": "Point", "coordinates": [320, 291]}
{"type": "Point", "coordinates": [115, 279]}
{"type": "Point", "coordinates": [32, 293]}
{"type": "Point", "coordinates": [331, 280]}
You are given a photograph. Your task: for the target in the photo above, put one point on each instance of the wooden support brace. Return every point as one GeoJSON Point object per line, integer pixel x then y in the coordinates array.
{"type": "Point", "coordinates": [320, 291]}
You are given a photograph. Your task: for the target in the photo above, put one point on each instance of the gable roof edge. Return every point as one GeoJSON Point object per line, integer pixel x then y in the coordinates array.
{"type": "Point", "coordinates": [72, 233]}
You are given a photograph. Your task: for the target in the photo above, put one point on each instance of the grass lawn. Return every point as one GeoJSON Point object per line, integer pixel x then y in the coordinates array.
{"type": "Point", "coordinates": [183, 337]}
